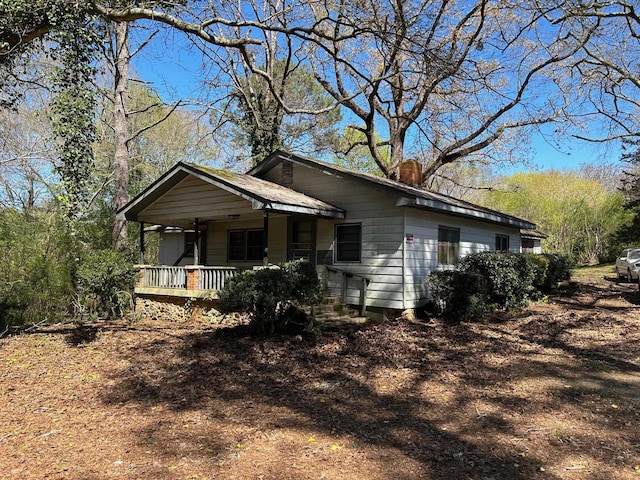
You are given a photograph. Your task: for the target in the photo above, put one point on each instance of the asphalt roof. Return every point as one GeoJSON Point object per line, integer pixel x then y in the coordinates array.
{"type": "Point", "coordinates": [262, 193]}
{"type": "Point", "coordinates": [418, 196]}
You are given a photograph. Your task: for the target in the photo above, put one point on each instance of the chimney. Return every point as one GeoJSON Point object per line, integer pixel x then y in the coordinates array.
{"type": "Point", "coordinates": [411, 172]}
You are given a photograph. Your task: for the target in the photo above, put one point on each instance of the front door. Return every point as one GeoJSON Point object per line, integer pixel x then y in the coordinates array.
{"type": "Point", "coordinates": [301, 238]}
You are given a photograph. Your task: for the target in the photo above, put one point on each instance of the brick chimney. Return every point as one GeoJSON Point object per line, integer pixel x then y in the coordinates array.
{"type": "Point", "coordinates": [411, 172]}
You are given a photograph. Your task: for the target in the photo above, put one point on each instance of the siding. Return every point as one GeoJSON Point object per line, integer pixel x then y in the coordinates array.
{"type": "Point", "coordinates": [382, 233]}
{"type": "Point", "coordinates": [193, 198]}
{"type": "Point", "coordinates": [422, 253]}
{"type": "Point", "coordinates": [217, 235]}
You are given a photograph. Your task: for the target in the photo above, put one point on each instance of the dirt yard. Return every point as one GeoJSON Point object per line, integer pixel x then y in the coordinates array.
{"type": "Point", "coordinates": [551, 393]}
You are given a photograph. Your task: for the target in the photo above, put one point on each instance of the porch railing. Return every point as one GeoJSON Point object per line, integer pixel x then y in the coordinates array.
{"type": "Point", "coordinates": [186, 277]}
{"type": "Point", "coordinates": [165, 277]}
{"type": "Point", "coordinates": [214, 278]}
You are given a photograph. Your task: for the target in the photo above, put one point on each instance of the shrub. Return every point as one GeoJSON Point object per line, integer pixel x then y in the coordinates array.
{"type": "Point", "coordinates": [458, 296]}
{"type": "Point", "coordinates": [551, 269]}
{"type": "Point", "coordinates": [509, 277]}
{"type": "Point", "coordinates": [483, 283]}
{"type": "Point", "coordinates": [37, 258]}
{"type": "Point", "coordinates": [104, 280]}
{"type": "Point", "coordinates": [272, 296]}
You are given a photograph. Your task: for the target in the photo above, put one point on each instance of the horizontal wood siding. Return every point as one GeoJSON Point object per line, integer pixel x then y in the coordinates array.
{"type": "Point", "coordinates": [194, 198]}
{"type": "Point", "coordinates": [217, 235]}
{"type": "Point", "coordinates": [422, 252]}
{"type": "Point", "coordinates": [382, 232]}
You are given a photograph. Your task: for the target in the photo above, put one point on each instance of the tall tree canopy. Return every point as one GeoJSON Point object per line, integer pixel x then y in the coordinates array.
{"type": "Point", "coordinates": [579, 214]}
{"type": "Point", "coordinates": [438, 80]}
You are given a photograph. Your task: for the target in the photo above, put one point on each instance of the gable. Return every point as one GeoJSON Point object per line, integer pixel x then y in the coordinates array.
{"type": "Point", "coordinates": [404, 195]}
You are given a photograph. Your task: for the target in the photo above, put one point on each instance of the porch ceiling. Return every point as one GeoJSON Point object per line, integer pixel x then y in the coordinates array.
{"type": "Point", "coordinates": [187, 192]}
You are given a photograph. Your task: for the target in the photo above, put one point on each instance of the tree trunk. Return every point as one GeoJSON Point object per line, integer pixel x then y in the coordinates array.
{"type": "Point", "coordinates": [120, 124]}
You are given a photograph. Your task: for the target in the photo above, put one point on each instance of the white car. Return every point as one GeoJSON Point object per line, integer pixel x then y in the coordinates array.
{"type": "Point", "coordinates": [626, 264]}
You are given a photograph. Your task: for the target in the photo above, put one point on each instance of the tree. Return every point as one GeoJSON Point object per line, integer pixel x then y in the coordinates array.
{"type": "Point", "coordinates": [609, 86]}
{"type": "Point", "coordinates": [579, 215]}
{"type": "Point", "coordinates": [264, 126]}
{"type": "Point", "coordinates": [26, 154]}
{"type": "Point", "coordinates": [455, 78]}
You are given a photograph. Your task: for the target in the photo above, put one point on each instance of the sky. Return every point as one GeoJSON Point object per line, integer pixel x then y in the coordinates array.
{"type": "Point", "coordinates": [173, 67]}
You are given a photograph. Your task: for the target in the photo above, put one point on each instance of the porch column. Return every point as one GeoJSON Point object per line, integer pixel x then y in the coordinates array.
{"type": "Point", "coordinates": [265, 238]}
{"type": "Point", "coordinates": [142, 247]}
{"type": "Point", "coordinates": [195, 244]}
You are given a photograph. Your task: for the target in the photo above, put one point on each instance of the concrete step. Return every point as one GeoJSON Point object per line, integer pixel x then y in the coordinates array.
{"type": "Point", "coordinates": [332, 313]}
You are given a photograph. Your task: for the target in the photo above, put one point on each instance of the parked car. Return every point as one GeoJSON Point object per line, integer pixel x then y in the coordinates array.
{"type": "Point", "coordinates": [626, 263]}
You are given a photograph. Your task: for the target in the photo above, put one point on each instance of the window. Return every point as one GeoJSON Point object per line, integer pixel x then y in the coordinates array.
{"type": "Point", "coordinates": [189, 243]}
{"type": "Point", "coordinates": [448, 245]}
{"type": "Point", "coordinates": [502, 243]}
{"type": "Point", "coordinates": [528, 245]}
{"type": "Point", "coordinates": [348, 240]}
{"type": "Point", "coordinates": [245, 245]}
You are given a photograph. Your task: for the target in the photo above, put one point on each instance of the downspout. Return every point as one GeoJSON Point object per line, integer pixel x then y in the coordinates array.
{"type": "Point", "coordinates": [404, 258]}
{"type": "Point", "coordinates": [265, 238]}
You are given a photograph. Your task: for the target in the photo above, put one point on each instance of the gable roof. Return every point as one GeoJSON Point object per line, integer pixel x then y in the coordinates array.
{"type": "Point", "coordinates": [407, 195]}
{"type": "Point", "coordinates": [262, 194]}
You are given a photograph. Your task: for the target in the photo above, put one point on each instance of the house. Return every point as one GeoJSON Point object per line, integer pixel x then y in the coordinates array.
{"type": "Point", "coordinates": [373, 240]}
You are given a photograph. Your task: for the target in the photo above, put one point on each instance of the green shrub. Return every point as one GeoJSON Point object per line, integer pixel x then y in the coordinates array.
{"type": "Point", "coordinates": [272, 296]}
{"type": "Point", "coordinates": [509, 277]}
{"type": "Point", "coordinates": [37, 258]}
{"type": "Point", "coordinates": [458, 296]}
{"type": "Point", "coordinates": [551, 269]}
{"type": "Point", "coordinates": [104, 281]}
{"type": "Point", "coordinates": [483, 282]}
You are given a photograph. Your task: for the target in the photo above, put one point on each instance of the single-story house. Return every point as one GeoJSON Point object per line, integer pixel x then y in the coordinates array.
{"type": "Point", "coordinates": [373, 240]}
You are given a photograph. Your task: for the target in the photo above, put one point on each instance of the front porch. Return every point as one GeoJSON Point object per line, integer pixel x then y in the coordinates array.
{"type": "Point", "coordinates": [205, 282]}
{"type": "Point", "coordinates": [189, 281]}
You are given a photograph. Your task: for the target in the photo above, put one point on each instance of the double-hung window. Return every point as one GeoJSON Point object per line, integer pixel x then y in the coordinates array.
{"type": "Point", "coordinates": [245, 245]}
{"type": "Point", "coordinates": [348, 242]}
{"type": "Point", "coordinates": [448, 245]}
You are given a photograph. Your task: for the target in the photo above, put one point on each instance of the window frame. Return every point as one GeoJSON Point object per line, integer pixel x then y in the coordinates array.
{"type": "Point", "coordinates": [245, 245]}
{"type": "Point", "coordinates": [337, 243]}
{"type": "Point", "coordinates": [452, 247]}
{"type": "Point", "coordinates": [501, 237]}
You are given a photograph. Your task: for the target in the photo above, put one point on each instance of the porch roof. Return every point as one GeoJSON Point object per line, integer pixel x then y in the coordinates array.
{"type": "Point", "coordinates": [262, 194]}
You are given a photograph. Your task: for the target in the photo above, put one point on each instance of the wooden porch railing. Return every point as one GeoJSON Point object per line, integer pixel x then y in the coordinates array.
{"type": "Point", "coordinates": [213, 278]}
{"type": "Point", "coordinates": [345, 276]}
{"type": "Point", "coordinates": [164, 277]}
{"type": "Point", "coordinates": [186, 277]}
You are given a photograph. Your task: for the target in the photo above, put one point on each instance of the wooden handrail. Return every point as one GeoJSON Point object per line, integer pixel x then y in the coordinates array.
{"type": "Point", "coordinates": [347, 274]}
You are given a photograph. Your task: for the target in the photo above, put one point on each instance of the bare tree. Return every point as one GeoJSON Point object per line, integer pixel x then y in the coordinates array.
{"type": "Point", "coordinates": [441, 80]}
{"type": "Point", "coordinates": [609, 79]}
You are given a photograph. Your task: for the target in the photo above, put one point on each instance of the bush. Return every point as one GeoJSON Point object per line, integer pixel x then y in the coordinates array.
{"type": "Point", "coordinates": [551, 269]}
{"type": "Point", "coordinates": [509, 277]}
{"type": "Point", "coordinates": [458, 296]}
{"type": "Point", "coordinates": [37, 258]}
{"type": "Point", "coordinates": [104, 280]}
{"type": "Point", "coordinates": [483, 283]}
{"type": "Point", "coordinates": [272, 296]}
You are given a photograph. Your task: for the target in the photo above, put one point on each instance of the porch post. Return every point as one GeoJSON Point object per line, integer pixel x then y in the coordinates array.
{"type": "Point", "coordinates": [142, 247]}
{"type": "Point", "coordinates": [195, 245]}
{"type": "Point", "coordinates": [265, 238]}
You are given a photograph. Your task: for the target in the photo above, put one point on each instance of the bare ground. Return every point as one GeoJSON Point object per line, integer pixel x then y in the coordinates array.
{"type": "Point", "coordinates": [551, 393]}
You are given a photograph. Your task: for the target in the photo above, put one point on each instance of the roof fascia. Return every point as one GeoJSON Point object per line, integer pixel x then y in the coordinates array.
{"type": "Point", "coordinates": [297, 209]}
{"type": "Point", "coordinates": [454, 209]}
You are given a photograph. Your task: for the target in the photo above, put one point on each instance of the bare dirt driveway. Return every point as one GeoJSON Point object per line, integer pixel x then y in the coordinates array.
{"type": "Point", "coordinates": [551, 393]}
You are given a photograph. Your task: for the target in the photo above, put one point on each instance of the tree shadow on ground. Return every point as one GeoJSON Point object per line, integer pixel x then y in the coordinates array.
{"type": "Point", "coordinates": [333, 384]}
